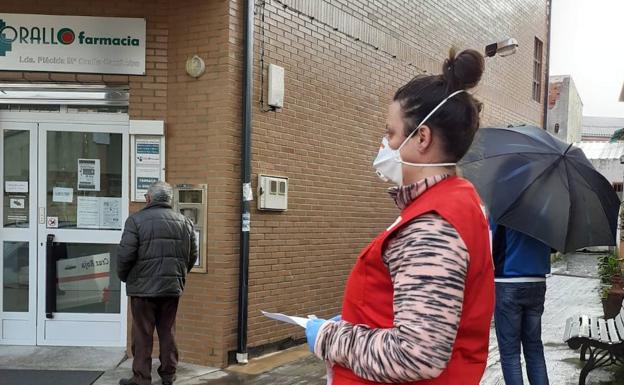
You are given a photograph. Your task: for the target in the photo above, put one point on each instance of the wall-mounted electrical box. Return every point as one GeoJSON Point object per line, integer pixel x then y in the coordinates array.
{"type": "Point", "coordinates": [276, 86]}
{"type": "Point", "coordinates": [272, 193]}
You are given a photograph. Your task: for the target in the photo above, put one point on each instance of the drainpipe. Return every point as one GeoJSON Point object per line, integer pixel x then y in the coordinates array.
{"type": "Point", "coordinates": [547, 66]}
{"type": "Point", "coordinates": [241, 352]}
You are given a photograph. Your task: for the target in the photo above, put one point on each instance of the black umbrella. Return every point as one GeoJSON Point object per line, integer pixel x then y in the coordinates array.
{"type": "Point", "coordinates": [535, 183]}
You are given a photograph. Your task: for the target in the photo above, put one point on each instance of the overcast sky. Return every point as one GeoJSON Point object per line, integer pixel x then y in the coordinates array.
{"type": "Point", "coordinates": [587, 43]}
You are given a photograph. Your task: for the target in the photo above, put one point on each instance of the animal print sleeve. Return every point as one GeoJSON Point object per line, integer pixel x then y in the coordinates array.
{"type": "Point", "coordinates": [428, 263]}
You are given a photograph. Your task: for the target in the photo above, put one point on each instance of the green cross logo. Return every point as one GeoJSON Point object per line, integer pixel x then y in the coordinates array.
{"type": "Point", "coordinates": [5, 41]}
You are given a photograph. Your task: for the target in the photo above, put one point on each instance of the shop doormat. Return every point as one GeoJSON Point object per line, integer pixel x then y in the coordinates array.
{"type": "Point", "coordinates": [47, 377]}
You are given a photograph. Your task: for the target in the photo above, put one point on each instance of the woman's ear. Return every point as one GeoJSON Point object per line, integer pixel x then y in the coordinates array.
{"type": "Point", "coordinates": [424, 137]}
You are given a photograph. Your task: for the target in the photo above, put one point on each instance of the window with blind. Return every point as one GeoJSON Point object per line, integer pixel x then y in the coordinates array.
{"type": "Point", "coordinates": [538, 49]}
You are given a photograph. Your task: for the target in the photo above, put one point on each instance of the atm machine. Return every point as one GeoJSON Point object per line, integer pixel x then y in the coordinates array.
{"type": "Point", "coordinates": [191, 201]}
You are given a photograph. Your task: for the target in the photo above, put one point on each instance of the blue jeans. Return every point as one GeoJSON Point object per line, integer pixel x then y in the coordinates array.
{"type": "Point", "coordinates": [518, 318]}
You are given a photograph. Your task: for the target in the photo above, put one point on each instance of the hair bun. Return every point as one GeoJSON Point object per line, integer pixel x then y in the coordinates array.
{"type": "Point", "coordinates": [463, 71]}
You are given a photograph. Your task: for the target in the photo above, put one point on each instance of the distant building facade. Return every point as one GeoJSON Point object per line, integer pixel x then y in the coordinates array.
{"type": "Point", "coordinates": [565, 109]}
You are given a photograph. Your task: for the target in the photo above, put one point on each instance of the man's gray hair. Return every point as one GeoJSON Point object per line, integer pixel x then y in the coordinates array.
{"type": "Point", "coordinates": [160, 191]}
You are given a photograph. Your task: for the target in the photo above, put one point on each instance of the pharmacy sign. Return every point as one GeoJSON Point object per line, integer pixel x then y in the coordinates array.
{"type": "Point", "coordinates": [79, 44]}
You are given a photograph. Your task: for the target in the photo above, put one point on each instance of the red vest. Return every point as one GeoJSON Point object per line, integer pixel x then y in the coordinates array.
{"type": "Point", "coordinates": [369, 292]}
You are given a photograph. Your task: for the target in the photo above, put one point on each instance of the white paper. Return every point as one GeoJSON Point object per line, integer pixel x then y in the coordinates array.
{"type": "Point", "coordinates": [88, 215]}
{"type": "Point", "coordinates": [99, 213]}
{"type": "Point", "coordinates": [17, 203]}
{"type": "Point", "coordinates": [110, 213]}
{"type": "Point", "coordinates": [62, 194]}
{"type": "Point", "coordinates": [88, 175]}
{"type": "Point", "coordinates": [16, 187]}
{"type": "Point", "coordinates": [247, 194]}
{"type": "Point", "coordinates": [147, 164]}
{"type": "Point", "coordinates": [300, 321]}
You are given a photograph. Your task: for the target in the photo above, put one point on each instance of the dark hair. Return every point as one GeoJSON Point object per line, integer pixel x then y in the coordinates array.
{"type": "Point", "coordinates": [457, 121]}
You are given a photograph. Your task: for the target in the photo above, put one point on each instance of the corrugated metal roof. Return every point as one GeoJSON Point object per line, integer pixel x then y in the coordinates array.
{"type": "Point", "coordinates": [605, 132]}
{"type": "Point", "coordinates": [601, 126]}
{"type": "Point", "coordinates": [601, 150]}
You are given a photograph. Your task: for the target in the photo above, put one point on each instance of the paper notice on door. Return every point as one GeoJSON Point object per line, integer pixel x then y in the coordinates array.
{"type": "Point", "coordinates": [15, 187]}
{"type": "Point", "coordinates": [300, 321]}
{"type": "Point", "coordinates": [88, 215]}
{"type": "Point", "coordinates": [88, 175]}
{"type": "Point", "coordinates": [17, 203]}
{"type": "Point", "coordinates": [62, 194]}
{"type": "Point", "coordinates": [99, 213]}
{"type": "Point", "coordinates": [110, 213]}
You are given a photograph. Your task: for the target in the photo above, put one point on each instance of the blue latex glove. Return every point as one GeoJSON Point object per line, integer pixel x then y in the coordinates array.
{"type": "Point", "coordinates": [312, 329]}
{"type": "Point", "coordinates": [336, 318]}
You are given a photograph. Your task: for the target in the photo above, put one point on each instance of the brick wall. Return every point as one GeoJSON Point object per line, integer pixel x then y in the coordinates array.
{"type": "Point", "coordinates": [203, 147]}
{"type": "Point", "coordinates": [343, 60]}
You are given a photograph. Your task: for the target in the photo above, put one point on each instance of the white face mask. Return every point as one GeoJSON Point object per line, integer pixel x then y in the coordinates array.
{"type": "Point", "coordinates": [388, 163]}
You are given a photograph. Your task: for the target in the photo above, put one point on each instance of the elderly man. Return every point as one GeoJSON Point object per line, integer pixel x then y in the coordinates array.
{"type": "Point", "coordinates": [157, 250]}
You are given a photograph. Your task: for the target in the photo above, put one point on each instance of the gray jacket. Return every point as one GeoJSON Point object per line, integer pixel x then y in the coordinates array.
{"type": "Point", "coordinates": [157, 249]}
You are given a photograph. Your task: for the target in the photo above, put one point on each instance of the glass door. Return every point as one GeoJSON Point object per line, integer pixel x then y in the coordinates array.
{"type": "Point", "coordinates": [83, 202]}
{"type": "Point", "coordinates": [18, 237]}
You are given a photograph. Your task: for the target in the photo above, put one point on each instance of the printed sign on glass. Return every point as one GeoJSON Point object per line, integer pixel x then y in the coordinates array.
{"type": "Point", "coordinates": [88, 174]}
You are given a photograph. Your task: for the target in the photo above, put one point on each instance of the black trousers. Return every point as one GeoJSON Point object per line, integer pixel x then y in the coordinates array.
{"type": "Point", "coordinates": [147, 313]}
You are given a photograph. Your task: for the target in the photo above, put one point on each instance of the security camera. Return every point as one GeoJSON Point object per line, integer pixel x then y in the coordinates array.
{"type": "Point", "coordinates": [503, 48]}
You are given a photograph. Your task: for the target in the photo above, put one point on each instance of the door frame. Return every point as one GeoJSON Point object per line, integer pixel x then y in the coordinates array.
{"type": "Point", "coordinates": [18, 323]}
{"type": "Point", "coordinates": [43, 122]}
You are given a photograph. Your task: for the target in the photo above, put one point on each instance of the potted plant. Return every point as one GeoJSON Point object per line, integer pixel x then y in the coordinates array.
{"type": "Point", "coordinates": [611, 283]}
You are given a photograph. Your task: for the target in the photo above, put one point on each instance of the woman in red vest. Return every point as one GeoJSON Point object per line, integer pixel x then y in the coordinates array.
{"type": "Point", "coordinates": [419, 300]}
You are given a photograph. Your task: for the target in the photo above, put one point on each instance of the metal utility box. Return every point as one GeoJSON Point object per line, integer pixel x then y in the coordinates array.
{"type": "Point", "coordinates": [191, 200]}
{"type": "Point", "coordinates": [276, 86]}
{"type": "Point", "coordinates": [272, 193]}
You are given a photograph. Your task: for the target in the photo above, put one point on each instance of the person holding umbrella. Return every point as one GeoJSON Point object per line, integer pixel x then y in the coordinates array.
{"type": "Point", "coordinates": [541, 193]}
{"type": "Point", "coordinates": [419, 301]}
{"type": "Point", "coordinates": [521, 264]}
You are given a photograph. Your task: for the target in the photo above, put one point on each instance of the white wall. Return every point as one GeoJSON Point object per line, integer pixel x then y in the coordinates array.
{"type": "Point", "coordinates": [575, 114]}
{"type": "Point", "coordinates": [610, 169]}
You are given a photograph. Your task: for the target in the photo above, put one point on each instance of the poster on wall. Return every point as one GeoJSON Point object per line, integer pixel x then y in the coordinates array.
{"type": "Point", "coordinates": [88, 175]}
{"type": "Point", "coordinates": [84, 44]}
{"type": "Point", "coordinates": [147, 164]}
